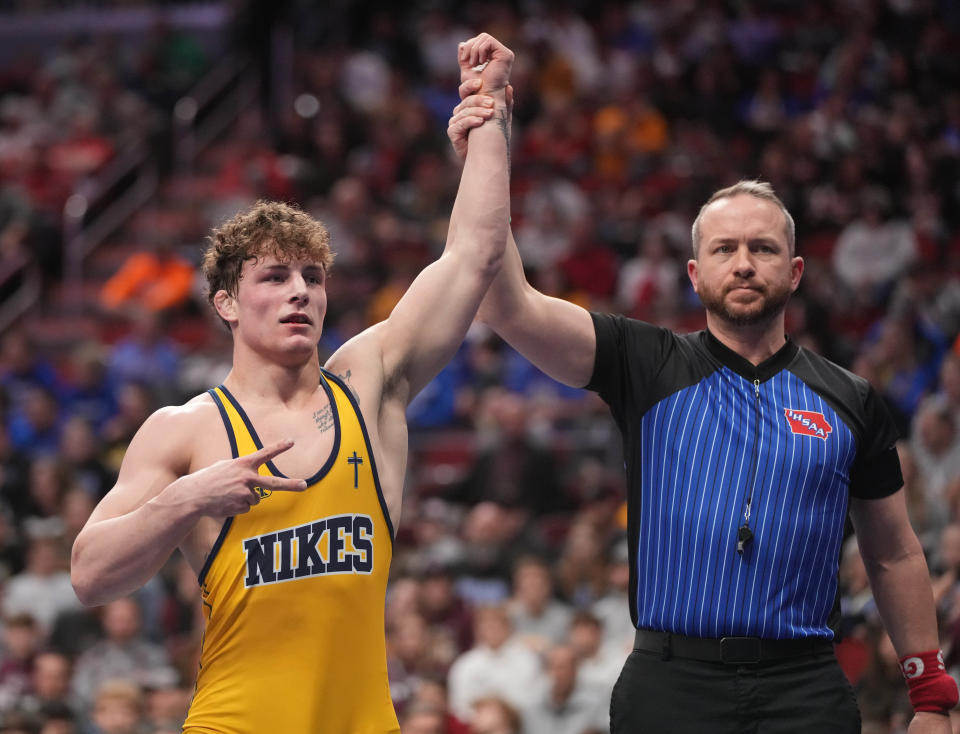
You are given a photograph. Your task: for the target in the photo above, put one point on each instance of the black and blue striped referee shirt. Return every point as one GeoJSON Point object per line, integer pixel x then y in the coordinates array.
{"type": "Point", "coordinates": [704, 432]}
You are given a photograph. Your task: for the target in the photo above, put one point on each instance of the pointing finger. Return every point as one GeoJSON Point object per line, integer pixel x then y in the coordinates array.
{"type": "Point", "coordinates": [282, 484]}
{"type": "Point", "coordinates": [268, 452]}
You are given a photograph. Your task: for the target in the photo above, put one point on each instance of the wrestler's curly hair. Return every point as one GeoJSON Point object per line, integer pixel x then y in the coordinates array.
{"type": "Point", "coordinates": [267, 228]}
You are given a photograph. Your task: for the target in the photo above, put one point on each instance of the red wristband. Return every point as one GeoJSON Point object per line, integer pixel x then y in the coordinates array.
{"type": "Point", "coordinates": [931, 688]}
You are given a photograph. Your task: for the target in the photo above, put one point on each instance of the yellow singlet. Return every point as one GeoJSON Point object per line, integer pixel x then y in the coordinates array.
{"type": "Point", "coordinates": [293, 595]}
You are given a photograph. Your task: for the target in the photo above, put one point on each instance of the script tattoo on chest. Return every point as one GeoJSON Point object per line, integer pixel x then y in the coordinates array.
{"type": "Point", "coordinates": [324, 418]}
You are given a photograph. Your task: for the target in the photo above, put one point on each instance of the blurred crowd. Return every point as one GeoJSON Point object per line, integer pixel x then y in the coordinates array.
{"type": "Point", "coordinates": [507, 610]}
{"type": "Point", "coordinates": [67, 109]}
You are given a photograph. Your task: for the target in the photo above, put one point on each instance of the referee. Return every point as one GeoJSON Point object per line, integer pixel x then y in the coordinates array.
{"type": "Point", "coordinates": [744, 455]}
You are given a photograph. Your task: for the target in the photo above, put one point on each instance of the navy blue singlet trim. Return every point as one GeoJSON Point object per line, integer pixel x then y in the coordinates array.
{"type": "Point", "coordinates": [226, 422]}
{"type": "Point", "coordinates": [259, 444]}
{"type": "Point", "coordinates": [366, 439]}
{"type": "Point", "coordinates": [229, 521]}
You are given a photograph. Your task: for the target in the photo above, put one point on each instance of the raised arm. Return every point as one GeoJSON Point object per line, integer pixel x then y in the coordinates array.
{"type": "Point", "coordinates": [156, 503]}
{"type": "Point", "coordinates": [428, 324]}
{"type": "Point", "coordinates": [556, 335]}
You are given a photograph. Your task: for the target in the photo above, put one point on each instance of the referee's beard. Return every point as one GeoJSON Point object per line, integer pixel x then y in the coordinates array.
{"type": "Point", "coordinates": [773, 299]}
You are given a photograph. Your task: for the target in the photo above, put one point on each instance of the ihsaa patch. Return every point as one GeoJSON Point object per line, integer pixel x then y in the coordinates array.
{"type": "Point", "coordinates": [808, 423]}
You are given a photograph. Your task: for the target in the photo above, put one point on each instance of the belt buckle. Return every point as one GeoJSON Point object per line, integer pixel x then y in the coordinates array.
{"type": "Point", "coordinates": [740, 649]}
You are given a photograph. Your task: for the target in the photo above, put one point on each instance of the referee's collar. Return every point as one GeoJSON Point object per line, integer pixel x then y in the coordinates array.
{"type": "Point", "coordinates": [743, 367]}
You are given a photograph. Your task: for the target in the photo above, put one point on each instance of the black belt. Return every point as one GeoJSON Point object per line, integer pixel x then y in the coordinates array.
{"type": "Point", "coordinates": [736, 650]}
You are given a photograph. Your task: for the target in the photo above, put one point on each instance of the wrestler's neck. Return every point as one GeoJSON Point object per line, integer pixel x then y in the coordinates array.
{"type": "Point", "coordinates": [264, 377]}
{"type": "Point", "coordinates": [756, 343]}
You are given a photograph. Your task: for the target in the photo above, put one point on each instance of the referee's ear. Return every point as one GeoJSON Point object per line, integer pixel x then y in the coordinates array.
{"type": "Point", "coordinates": [796, 273]}
{"type": "Point", "coordinates": [694, 275]}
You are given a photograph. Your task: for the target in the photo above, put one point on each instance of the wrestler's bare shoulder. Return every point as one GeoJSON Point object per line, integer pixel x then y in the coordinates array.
{"type": "Point", "coordinates": [185, 434]}
{"type": "Point", "coordinates": [193, 416]}
{"type": "Point", "coordinates": [358, 363]}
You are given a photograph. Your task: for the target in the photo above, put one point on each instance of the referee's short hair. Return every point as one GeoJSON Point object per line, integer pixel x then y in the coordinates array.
{"type": "Point", "coordinates": [750, 187]}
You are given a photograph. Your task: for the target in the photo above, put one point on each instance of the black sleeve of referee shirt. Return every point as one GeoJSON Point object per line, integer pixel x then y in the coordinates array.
{"type": "Point", "coordinates": [876, 470]}
{"type": "Point", "coordinates": [628, 357]}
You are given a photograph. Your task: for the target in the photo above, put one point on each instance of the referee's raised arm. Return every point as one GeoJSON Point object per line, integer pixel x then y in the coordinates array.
{"type": "Point", "coordinates": [555, 335]}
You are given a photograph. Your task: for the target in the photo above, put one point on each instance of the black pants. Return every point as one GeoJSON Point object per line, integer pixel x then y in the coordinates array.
{"type": "Point", "coordinates": [802, 695]}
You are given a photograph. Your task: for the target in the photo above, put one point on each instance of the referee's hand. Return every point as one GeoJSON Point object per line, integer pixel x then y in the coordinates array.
{"type": "Point", "coordinates": [925, 723]}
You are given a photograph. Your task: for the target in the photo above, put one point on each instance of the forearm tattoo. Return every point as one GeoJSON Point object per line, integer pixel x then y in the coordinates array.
{"type": "Point", "coordinates": [502, 118]}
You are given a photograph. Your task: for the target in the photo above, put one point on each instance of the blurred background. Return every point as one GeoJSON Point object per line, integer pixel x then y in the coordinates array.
{"type": "Point", "coordinates": [128, 129]}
